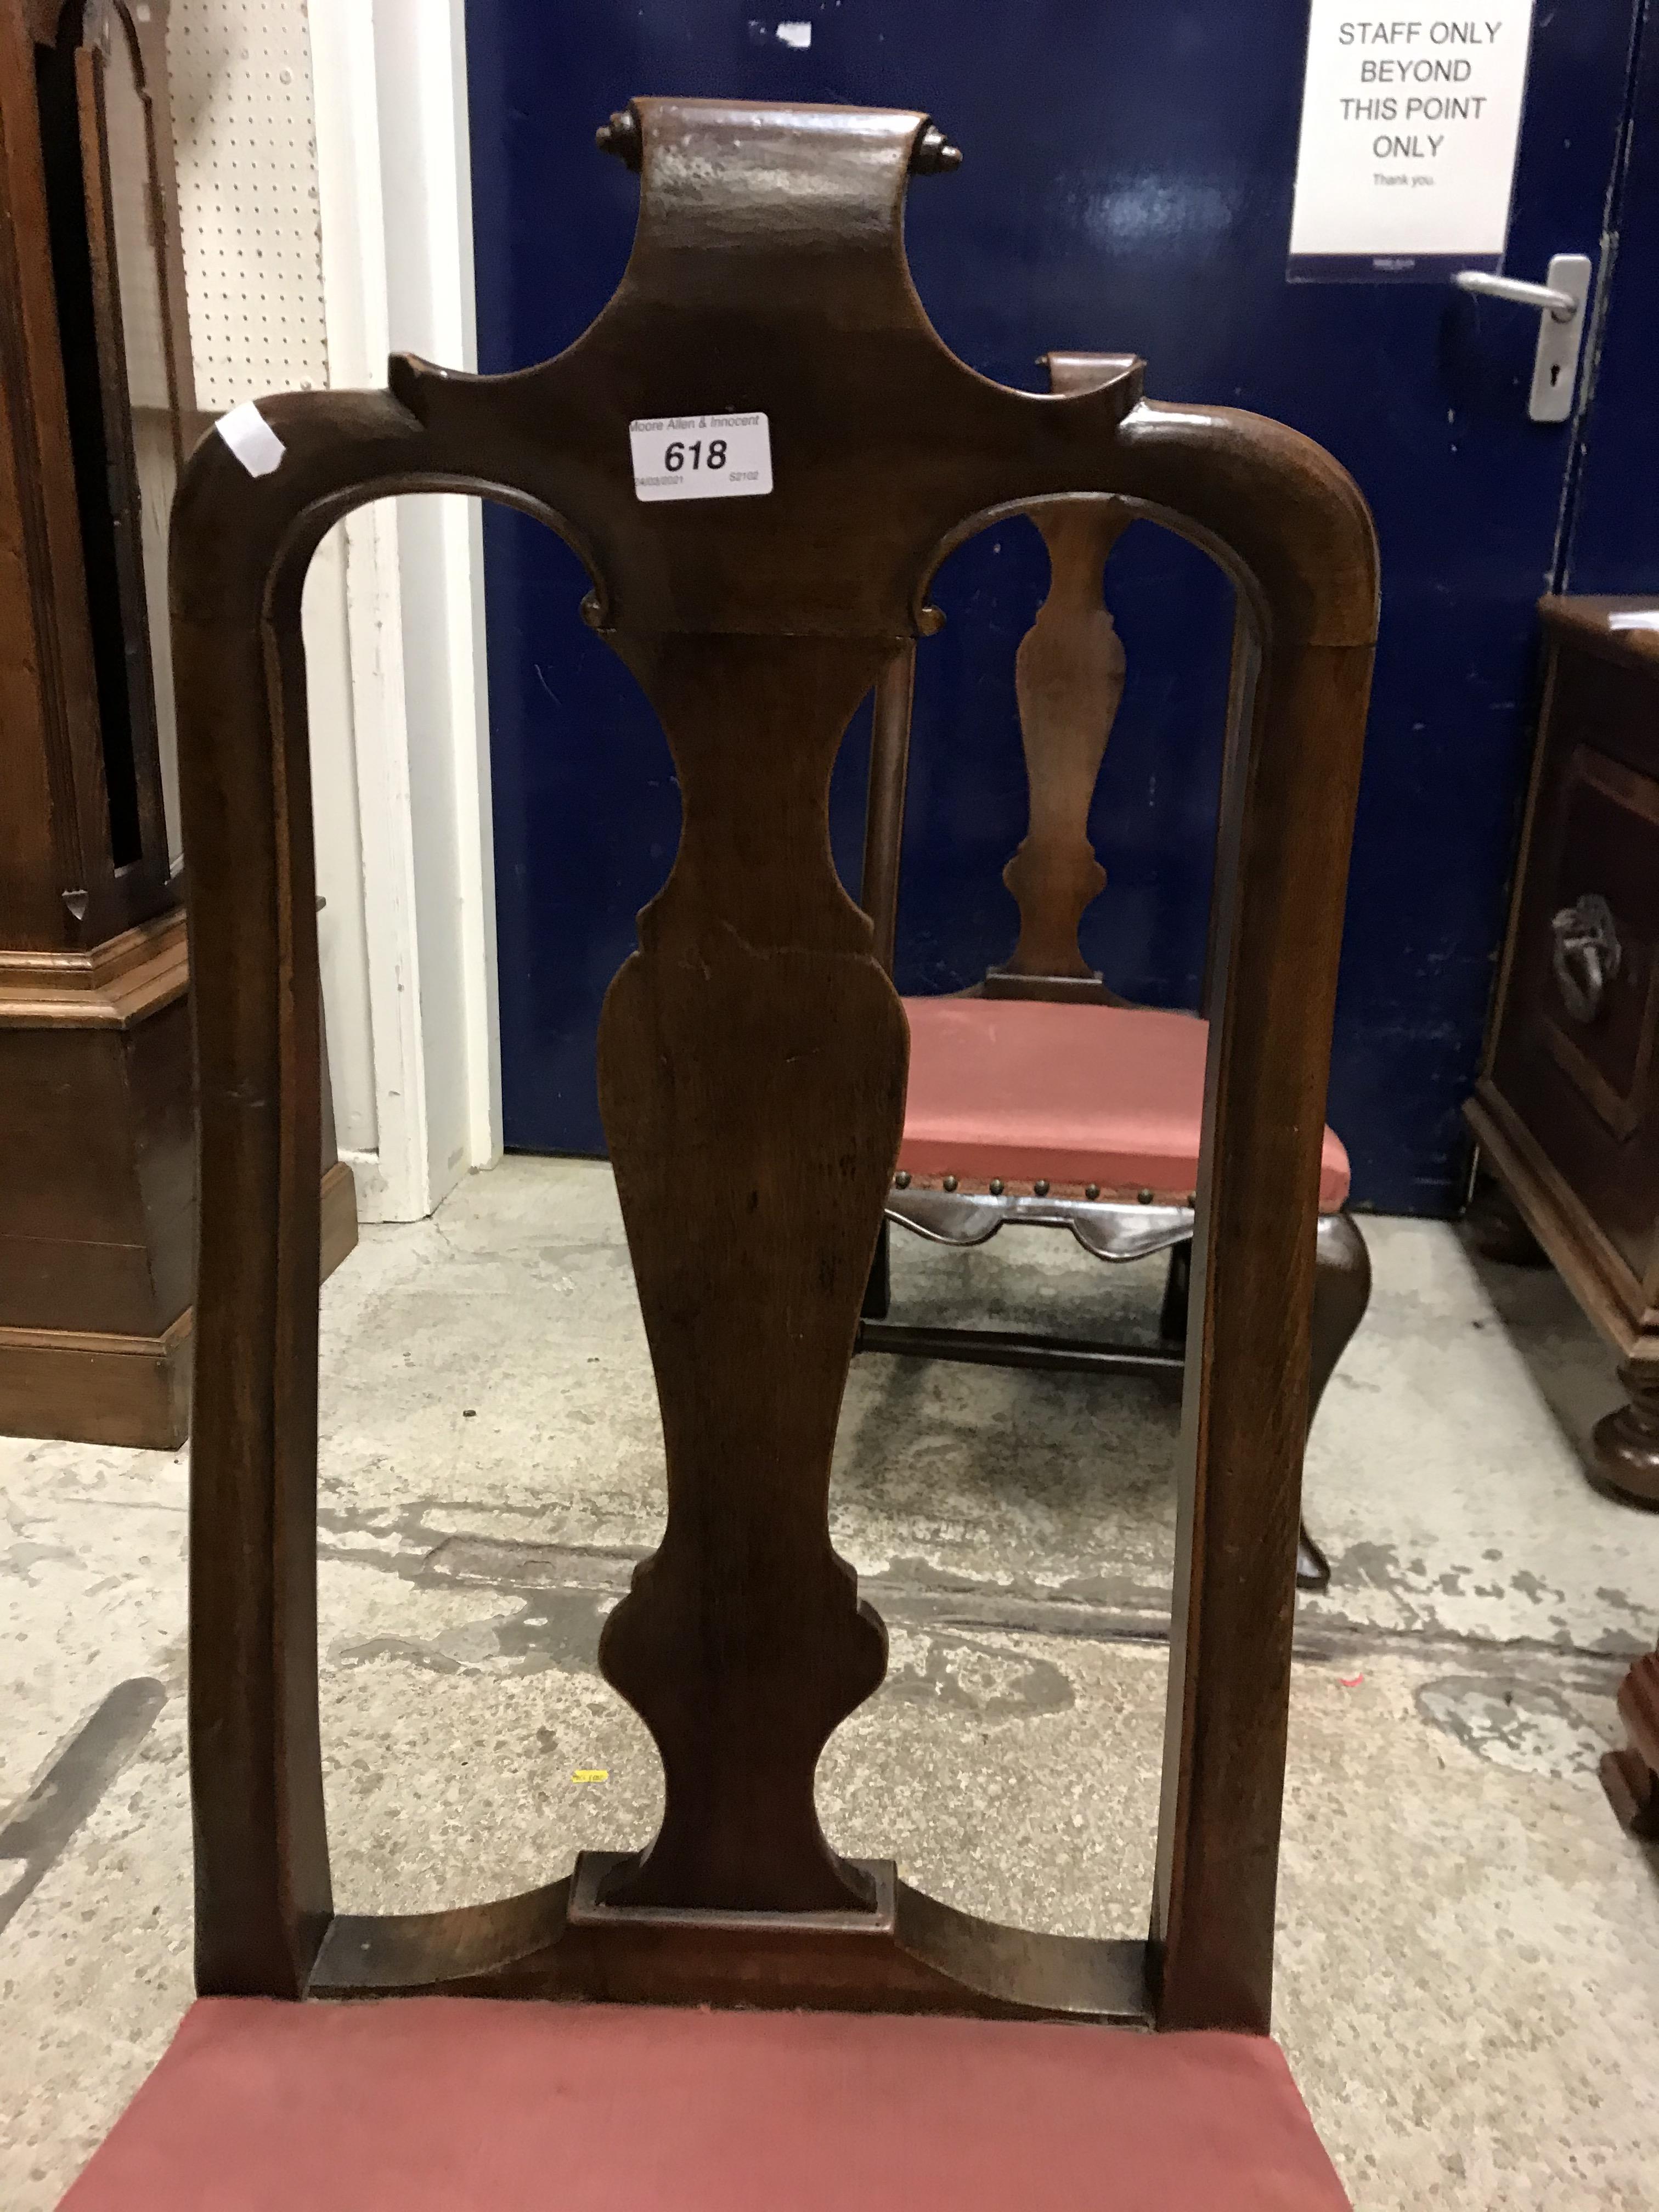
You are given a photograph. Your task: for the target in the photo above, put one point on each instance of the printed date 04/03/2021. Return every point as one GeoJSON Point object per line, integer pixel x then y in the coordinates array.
{"type": "Point", "coordinates": [701, 456]}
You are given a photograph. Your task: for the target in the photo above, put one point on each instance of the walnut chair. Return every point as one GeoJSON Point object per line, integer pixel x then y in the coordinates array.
{"type": "Point", "coordinates": [730, 2014]}
{"type": "Point", "coordinates": [1039, 1098]}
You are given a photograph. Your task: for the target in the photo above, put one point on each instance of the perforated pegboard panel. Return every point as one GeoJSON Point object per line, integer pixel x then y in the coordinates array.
{"type": "Point", "coordinates": [242, 116]}
{"type": "Point", "coordinates": [240, 74]}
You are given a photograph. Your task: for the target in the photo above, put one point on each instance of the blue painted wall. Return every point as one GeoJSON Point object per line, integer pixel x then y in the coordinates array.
{"type": "Point", "coordinates": [1127, 184]}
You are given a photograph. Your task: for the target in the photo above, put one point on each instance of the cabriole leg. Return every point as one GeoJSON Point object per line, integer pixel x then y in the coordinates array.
{"type": "Point", "coordinates": [1342, 1291]}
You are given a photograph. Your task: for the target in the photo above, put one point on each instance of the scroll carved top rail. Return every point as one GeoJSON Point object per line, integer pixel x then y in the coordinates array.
{"type": "Point", "coordinates": [751, 1067]}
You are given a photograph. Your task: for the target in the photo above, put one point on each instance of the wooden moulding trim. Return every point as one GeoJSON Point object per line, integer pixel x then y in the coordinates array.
{"type": "Point", "coordinates": [340, 1216]}
{"type": "Point", "coordinates": [339, 1240]}
{"type": "Point", "coordinates": [911, 1953]}
{"type": "Point", "coordinates": [113, 985]}
{"type": "Point", "coordinates": [168, 1345]}
{"type": "Point", "coordinates": [91, 1387]}
{"type": "Point", "coordinates": [1602, 1282]}
{"type": "Point", "coordinates": [87, 1388]}
{"type": "Point", "coordinates": [1586, 621]}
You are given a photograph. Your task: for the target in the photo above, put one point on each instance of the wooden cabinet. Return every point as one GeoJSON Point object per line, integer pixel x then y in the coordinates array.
{"type": "Point", "coordinates": [1567, 1111]}
{"type": "Point", "coordinates": [97, 410]}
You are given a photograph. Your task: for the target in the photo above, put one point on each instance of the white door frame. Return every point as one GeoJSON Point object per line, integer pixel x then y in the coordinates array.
{"type": "Point", "coordinates": [389, 89]}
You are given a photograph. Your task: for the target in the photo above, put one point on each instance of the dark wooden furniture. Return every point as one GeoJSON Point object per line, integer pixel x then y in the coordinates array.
{"type": "Point", "coordinates": [1086, 1116]}
{"type": "Point", "coordinates": [753, 1071]}
{"type": "Point", "coordinates": [1566, 1110]}
{"type": "Point", "coordinates": [1630, 1775]}
{"type": "Point", "coordinates": [97, 1198]}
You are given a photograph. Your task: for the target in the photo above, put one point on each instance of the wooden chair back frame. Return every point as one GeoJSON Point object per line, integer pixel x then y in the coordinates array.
{"type": "Point", "coordinates": [752, 1068]}
{"type": "Point", "coordinates": [890, 732]}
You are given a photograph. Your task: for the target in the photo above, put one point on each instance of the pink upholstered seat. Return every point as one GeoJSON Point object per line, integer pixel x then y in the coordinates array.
{"type": "Point", "coordinates": [1030, 1090]}
{"type": "Point", "coordinates": [465, 2105]}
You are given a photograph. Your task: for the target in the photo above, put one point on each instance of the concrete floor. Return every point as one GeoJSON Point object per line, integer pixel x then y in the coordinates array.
{"type": "Point", "coordinates": [1469, 1949]}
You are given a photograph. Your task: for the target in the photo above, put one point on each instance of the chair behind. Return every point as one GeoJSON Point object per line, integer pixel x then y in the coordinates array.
{"type": "Point", "coordinates": [1069, 673]}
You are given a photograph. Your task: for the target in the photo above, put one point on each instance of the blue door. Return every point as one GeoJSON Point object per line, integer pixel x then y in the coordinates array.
{"type": "Point", "coordinates": [1127, 187]}
{"type": "Point", "coordinates": [1612, 540]}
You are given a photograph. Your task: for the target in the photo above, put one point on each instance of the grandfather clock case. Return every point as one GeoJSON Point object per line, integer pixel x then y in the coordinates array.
{"type": "Point", "coordinates": [97, 1173]}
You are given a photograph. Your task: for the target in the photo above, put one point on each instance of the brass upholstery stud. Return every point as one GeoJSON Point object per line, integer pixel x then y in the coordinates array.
{"type": "Point", "coordinates": [901, 1179]}
{"type": "Point", "coordinates": [1091, 1190]}
{"type": "Point", "coordinates": [1040, 1188]}
{"type": "Point", "coordinates": [1146, 1198]}
{"type": "Point", "coordinates": [996, 1186]}
{"type": "Point", "coordinates": [950, 1182]}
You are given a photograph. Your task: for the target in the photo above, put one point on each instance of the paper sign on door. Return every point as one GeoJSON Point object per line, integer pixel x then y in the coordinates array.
{"type": "Point", "coordinates": [1410, 122]}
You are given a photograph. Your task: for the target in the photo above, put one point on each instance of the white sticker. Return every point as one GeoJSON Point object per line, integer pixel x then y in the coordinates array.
{"type": "Point", "coordinates": [701, 456]}
{"type": "Point", "coordinates": [1410, 120]}
{"type": "Point", "coordinates": [251, 439]}
{"type": "Point", "coordinates": [798, 35]}
{"type": "Point", "coordinates": [1647, 619]}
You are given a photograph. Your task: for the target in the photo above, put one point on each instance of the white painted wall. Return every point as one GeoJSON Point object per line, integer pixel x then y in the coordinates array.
{"type": "Point", "coordinates": [395, 1183]}
{"type": "Point", "coordinates": [241, 76]}
{"type": "Point", "coordinates": [298, 129]}
{"type": "Point", "coordinates": [421, 82]}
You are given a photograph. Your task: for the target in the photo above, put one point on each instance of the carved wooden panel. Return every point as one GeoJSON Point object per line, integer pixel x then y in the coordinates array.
{"type": "Point", "coordinates": [1068, 675]}
{"type": "Point", "coordinates": [752, 1057]}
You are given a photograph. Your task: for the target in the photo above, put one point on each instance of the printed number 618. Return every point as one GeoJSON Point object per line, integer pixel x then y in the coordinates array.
{"type": "Point", "coordinates": [712, 456]}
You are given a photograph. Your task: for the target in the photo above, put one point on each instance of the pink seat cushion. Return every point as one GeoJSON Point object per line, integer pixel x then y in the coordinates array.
{"type": "Point", "coordinates": [1030, 1090]}
{"type": "Point", "coordinates": [465, 2104]}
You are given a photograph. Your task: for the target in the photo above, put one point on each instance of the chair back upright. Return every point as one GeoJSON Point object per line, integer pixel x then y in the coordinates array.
{"type": "Point", "coordinates": [752, 1061]}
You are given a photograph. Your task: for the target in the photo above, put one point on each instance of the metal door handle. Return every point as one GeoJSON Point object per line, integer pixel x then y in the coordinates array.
{"type": "Point", "coordinates": [1561, 303]}
{"type": "Point", "coordinates": [1564, 306]}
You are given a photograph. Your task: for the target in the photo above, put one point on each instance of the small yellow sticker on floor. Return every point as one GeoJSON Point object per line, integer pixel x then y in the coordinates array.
{"type": "Point", "coordinates": [591, 1774]}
